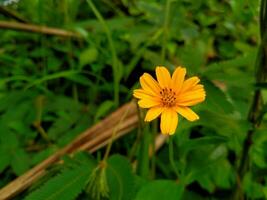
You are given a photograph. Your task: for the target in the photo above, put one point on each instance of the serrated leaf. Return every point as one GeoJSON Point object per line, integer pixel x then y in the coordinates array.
{"type": "Point", "coordinates": [67, 185]}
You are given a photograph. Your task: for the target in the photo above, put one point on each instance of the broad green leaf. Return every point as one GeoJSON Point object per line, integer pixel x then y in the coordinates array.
{"type": "Point", "coordinates": [120, 178]}
{"type": "Point", "coordinates": [216, 100]}
{"type": "Point", "coordinates": [4, 158]}
{"type": "Point", "coordinates": [199, 142]}
{"type": "Point", "coordinates": [67, 185]}
{"type": "Point", "coordinates": [212, 171]}
{"type": "Point", "coordinates": [20, 161]}
{"type": "Point", "coordinates": [88, 56]}
{"type": "Point", "coordinates": [159, 190]}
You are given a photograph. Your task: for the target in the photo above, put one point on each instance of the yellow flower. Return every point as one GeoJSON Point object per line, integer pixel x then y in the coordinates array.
{"type": "Point", "coordinates": [169, 97]}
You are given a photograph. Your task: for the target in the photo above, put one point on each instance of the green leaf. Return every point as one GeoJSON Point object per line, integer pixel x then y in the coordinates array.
{"type": "Point", "coordinates": [120, 178]}
{"type": "Point", "coordinates": [216, 99]}
{"type": "Point", "coordinates": [81, 79]}
{"type": "Point", "coordinates": [196, 143]}
{"type": "Point", "coordinates": [67, 185]}
{"type": "Point", "coordinates": [20, 161]}
{"type": "Point", "coordinates": [57, 75]}
{"type": "Point", "coordinates": [214, 170]}
{"type": "Point", "coordinates": [252, 188]}
{"type": "Point", "coordinates": [192, 56]}
{"type": "Point", "coordinates": [159, 190]}
{"type": "Point", "coordinates": [4, 158]}
{"type": "Point", "coordinates": [88, 56]}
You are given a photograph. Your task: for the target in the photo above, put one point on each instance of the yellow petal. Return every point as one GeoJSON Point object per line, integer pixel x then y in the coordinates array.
{"type": "Point", "coordinates": [187, 113]}
{"type": "Point", "coordinates": [191, 102]}
{"type": "Point", "coordinates": [191, 97]}
{"type": "Point", "coordinates": [142, 94]}
{"type": "Point", "coordinates": [196, 87]}
{"type": "Point", "coordinates": [149, 84]}
{"type": "Point", "coordinates": [193, 93]}
{"type": "Point", "coordinates": [169, 121]}
{"type": "Point", "coordinates": [189, 83]}
{"type": "Point", "coordinates": [163, 77]}
{"type": "Point", "coordinates": [153, 113]}
{"type": "Point", "coordinates": [148, 103]}
{"type": "Point", "coordinates": [178, 78]}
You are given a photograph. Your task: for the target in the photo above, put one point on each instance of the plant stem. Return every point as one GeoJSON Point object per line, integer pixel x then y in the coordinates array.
{"type": "Point", "coordinates": [114, 134]}
{"type": "Point", "coordinates": [255, 114]}
{"type": "Point", "coordinates": [165, 31]}
{"type": "Point", "coordinates": [153, 147]}
{"type": "Point", "coordinates": [38, 122]}
{"type": "Point", "coordinates": [171, 158]}
{"type": "Point", "coordinates": [115, 63]}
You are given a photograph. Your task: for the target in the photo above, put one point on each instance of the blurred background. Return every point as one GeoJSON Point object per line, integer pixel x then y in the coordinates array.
{"type": "Point", "coordinates": [65, 65]}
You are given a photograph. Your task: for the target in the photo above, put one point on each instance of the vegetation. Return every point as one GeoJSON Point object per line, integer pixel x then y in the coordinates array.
{"type": "Point", "coordinates": [67, 65]}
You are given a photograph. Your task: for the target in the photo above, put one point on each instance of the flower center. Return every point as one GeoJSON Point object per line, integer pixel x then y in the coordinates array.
{"type": "Point", "coordinates": [168, 97]}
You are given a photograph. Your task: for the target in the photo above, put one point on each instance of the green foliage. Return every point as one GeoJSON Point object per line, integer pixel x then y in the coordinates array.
{"type": "Point", "coordinates": [160, 189]}
{"type": "Point", "coordinates": [66, 185]}
{"type": "Point", "coordinates": [52, 88]}
{"type": "Point", "coordinates": [216, 99]}
{"type": "Point", "coordinates": [103, 109]}
{"type": "Point", "coordinates": [120, 178]}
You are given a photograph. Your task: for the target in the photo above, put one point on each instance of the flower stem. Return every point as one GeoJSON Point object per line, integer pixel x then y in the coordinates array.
{"type": "Point", "coordinates": [171, 157]}
{"type": "Point", "coordinates": [114, 132]}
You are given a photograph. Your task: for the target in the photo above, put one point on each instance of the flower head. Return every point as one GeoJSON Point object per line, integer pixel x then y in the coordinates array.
{"type": "Point", "coordinates": [169, 96]}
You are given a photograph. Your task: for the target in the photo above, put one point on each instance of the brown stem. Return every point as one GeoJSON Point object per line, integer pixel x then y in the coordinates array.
{"type": "Point", "coordinates": [24, 181]}
{"type": "Point", "coordinates": [37, 29]}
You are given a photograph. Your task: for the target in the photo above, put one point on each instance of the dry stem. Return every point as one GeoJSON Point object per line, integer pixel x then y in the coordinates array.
{"type": "Point", "coordinates": [86, 139]}
{"type": "Point", "coordinates": [37, 29]}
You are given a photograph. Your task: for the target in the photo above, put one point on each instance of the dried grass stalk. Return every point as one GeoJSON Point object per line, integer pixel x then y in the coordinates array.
{"type": "Point", "coordinates": [37, 29]}
{"type": "Point", "coordinates": [91, 140]}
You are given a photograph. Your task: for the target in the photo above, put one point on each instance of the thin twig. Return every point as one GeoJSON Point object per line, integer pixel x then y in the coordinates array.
{"type": "Point", "coordinates": [129, 122]}
{"type": "Point", "coordinates": [38, 29]}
